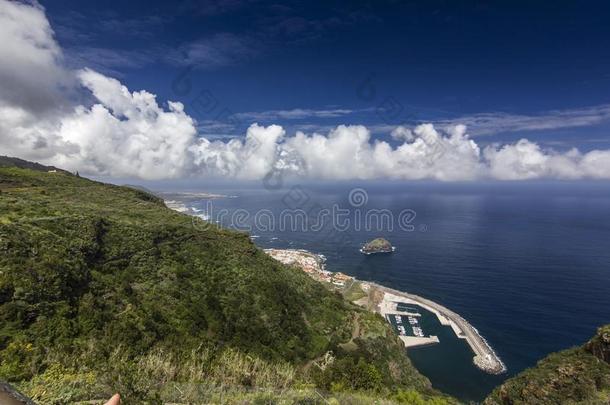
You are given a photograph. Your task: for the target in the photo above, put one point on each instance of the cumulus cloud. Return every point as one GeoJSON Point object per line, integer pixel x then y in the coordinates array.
{"type": "Point", "coordinates": [123, 133]}
{"type": "Point", "coordinates": [402, 133]}
{"type": "Point", "coordinates": [526, 160]}
{"type": "Point", "coordinates": [30, 72]}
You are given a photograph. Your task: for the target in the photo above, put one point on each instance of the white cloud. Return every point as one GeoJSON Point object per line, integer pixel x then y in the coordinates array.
{"type": "Point", "coordinates": [218, 50]}
{"type": "Point", "coordinates": [294, 114]}
{"type": "Point", "coordinates": [494, 123]}
{"type": "Point", "coordinates": [108, 60]}
{"type": "Point", "coordinates": [124, 133]}
{"type": "Point", "coordinates": [348, 153]}
{"type": "Point", "coordinates": [251, 158]}
{"type": "Point", "coordinates": [526, 160]}
{"type": "Point", "coordinates": [402, 133]}
{"type": "Point", "coordinates": [30, 59]}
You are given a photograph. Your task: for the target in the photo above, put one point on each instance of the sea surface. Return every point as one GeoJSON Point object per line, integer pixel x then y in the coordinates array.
{"type": "Point", "coordinates": [527, 264]}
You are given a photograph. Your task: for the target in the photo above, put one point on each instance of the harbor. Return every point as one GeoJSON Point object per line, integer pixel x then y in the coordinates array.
{"type": "Point", "coordinates": [397, 307]}
{"type": "Point", "coordinates": [485, 358]}
{"type": "Point", "coordinates": [405, 322]}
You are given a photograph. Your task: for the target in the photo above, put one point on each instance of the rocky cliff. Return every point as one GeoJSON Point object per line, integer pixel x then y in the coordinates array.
{"type": "Point", "coordinates": [576, 376]}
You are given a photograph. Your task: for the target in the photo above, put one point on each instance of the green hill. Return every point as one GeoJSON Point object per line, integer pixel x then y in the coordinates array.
{"type": "Point", "coordinates": [104, 289]}
{"type": "Point", "coordinates": [575, 376]}
{"type": "Point", "coordinates": [7, 161]}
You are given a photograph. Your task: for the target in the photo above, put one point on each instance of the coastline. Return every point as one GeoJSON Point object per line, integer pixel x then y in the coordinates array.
{"type": "Point", "coordinates": [485, 358]}
{"type": "Point", "coordinates": [364, 252]}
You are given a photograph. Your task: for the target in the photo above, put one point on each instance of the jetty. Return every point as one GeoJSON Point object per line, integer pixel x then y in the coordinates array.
{"type": "Point", "coordinates": [388, 308]}
{"type": "Point", "coordinates": [416, 341]}
{"type": "Point", "coordinates": [484, 358]}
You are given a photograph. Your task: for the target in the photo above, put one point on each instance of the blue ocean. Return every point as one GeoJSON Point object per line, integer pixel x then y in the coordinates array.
{"type": "Point", "coordinates": [527, 264]}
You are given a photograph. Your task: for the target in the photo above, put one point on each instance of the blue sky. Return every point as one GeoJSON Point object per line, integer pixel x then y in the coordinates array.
{"type": "Point", "coordinates": [235, 89]}
{"type": "Point", "coordinates": [506, 69]}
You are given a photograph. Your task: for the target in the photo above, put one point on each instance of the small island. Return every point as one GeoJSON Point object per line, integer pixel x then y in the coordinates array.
{"type": "Point", "coordinates": [379, 245]}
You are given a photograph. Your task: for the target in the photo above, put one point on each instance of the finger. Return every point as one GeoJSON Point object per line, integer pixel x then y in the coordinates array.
{"type": "Point", "coordinates": [115, 400]}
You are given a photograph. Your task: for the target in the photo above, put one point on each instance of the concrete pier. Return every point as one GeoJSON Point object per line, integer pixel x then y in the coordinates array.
{"type": "Point", "coordinates": [484, 358]}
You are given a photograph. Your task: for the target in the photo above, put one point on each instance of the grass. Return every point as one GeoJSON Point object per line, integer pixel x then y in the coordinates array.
{"type": "Point", "coordinates": [354, 292]}
{"type": "Point", "coordinates": [103, 288]}
{"type": "Point", "coordinates": [580, 375]}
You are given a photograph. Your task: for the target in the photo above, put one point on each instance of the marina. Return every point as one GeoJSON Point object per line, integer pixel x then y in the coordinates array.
{"type": "Point", "coordinates": [485, 358]}
{"type": "Point", "coordinates": [405, 322]}
{"type": "Point", "coordinates": [399, 308]}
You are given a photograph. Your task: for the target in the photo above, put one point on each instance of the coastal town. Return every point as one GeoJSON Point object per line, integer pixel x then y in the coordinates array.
{"type": "Point", "coordinates": [393, 305]}
{"type": "Point", "coordinates": [311, 264]}
{"type": "Point", "coordinates": [400, 309]}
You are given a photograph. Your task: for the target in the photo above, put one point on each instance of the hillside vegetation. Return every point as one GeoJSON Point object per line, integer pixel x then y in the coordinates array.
{"type": "Point", "coordinates": [576, 376]}
{"type": "Point", "coordinates": [104, 289]}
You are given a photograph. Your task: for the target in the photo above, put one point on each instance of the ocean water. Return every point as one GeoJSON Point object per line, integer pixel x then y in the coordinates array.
{"type": "Point", "coordinates": [527, 264]}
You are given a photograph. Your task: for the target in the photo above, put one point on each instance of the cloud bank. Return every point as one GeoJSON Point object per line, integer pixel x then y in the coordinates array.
{"type": "Point", "coordinates": [123, 133]}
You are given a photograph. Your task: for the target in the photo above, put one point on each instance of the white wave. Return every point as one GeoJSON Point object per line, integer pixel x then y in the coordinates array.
{"type": "Point", "coordinates": [177, 206]}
